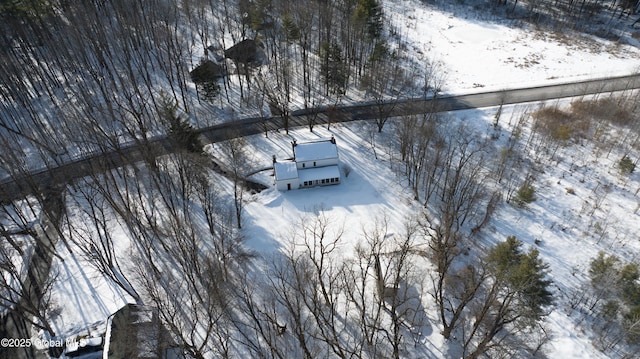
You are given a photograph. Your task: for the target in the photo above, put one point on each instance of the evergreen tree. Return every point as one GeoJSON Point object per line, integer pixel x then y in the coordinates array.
{"type": "Point", "coordinates": [602, 270]}
{"type": "Point", "coordinates": [626, 165]}
{"type": "Point", "coordinates": [290, 28]}
{"type": "Point", "coordinates": [613, 279]}
{"type": "Point", "coordinates": [179, 130]}
{"type": "Point", "coordinates": [629, 286]}
{"type": "Point", "coordinates": [507, 302]}
{"type": "Point", "coordinates": [524, 273]}
{"type": "Point", "coordinates": [368, 13]}
{"type": "Point", "coordinates": [333, 68]}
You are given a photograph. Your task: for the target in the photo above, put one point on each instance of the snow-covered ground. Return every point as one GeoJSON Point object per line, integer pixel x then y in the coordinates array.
{"type": "Point", "coordinates": [472, 54]}
{"type": "Point", "coordinates": [572, 219]}
{"type": "Point", "coordinates": [368, 193]}
{"type": "Point", "coordinates": [559, 224]}
{"type": "Point", "coordinates": [494, 54]}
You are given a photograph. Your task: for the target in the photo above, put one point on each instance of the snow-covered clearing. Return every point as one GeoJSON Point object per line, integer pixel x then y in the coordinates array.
{"type": "Point", "coordinates": [367, 194]}
{"type": "Point", "coordinates": [565, 227]}
{"type": "Point", "coordinates": [497, 54]}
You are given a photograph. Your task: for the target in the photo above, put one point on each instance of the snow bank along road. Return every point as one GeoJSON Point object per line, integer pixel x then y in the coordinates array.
{"type": "Point", "coordinates": [21, 185]}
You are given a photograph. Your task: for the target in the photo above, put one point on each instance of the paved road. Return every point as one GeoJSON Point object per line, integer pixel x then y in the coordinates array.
{"type": "Point", "coordinates": [22, 185]}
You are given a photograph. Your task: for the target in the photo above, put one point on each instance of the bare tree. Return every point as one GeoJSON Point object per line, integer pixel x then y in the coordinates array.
{"type": "Point", "coordinates": [366, 306]}
{"type": "Point", "coordinates": [25, 291]}
{"type": "Point", "coordinates": [30, 231]}
{"type": "Point", "coordinates": [385, 82]}
{"type": "Point", "coordinates": [186, 270]}
{"type": "Point", "coordinates": [91, 232]}
{"type": "Point", "coordinates": [238, 163]}
{"type": "Point", "coordinates": [193, 305]}
{"type": "Point", "coordinates": [313, 286]}
{"type": "Point", "coordinates": [277, 98]}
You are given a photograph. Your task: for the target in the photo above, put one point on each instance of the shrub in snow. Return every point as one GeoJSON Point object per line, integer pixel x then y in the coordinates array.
{"type": "Point", "coordinates": [525, 195]}
{"type": "Point", "coordinates": [560, 125]}
{"type": "Point", "coordinates": [626, 165]}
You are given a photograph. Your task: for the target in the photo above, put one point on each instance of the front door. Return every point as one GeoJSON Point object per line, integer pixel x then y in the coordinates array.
{"type": "Point", "coordinates": [288, 186]}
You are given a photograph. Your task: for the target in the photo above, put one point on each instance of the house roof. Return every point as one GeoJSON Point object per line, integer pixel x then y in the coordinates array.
{"type": "Point", "coordinates": [207, 71]}
{"type": "Point", "coordinates": [318, 173]}
{"type": "Point", "coordinates": [246, 51]}
{"type": "Point", "coordinates": [318, 150]}
{"type": "Point", "coordinates": [285, 170]}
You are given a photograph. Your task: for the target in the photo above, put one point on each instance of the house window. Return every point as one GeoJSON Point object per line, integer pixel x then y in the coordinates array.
{"type": "Point", "coordinates": [323, 181]}
{"type": "Point", "coordinates": [337, 179]}
{"type": "Point", "coordinates": [303, 165]}
{"type": "Point", "coordinates": [332, 180]}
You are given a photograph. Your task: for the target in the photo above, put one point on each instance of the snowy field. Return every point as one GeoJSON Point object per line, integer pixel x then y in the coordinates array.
{"type": "Point", "coordinates": [479, 54]}
{"type": "Point", "coordinates": [474, 55]}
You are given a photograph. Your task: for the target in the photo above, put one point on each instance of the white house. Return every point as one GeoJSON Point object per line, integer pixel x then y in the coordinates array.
{"type": "Point", "coordinates": [314, 164]}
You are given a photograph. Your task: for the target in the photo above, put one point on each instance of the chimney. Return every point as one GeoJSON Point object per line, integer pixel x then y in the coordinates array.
{"type": "Point", "coordinates": [274, 159]}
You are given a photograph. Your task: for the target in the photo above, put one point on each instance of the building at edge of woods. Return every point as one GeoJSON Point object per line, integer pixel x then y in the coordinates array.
{"type": "Point", "coordinates": [136, 332]}
{"type": "Point", "coordinates": [314, 163]}
{"type": "Point", "coordinates": [132, 332]}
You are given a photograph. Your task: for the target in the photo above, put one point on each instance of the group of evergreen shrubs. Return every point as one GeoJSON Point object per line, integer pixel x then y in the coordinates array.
{"type": "Point", "coordinates": [626, 165]}
{"type": "Point", "coordinates": [618, 284]}
{"type": "Point", "coordinates": [525, 195]}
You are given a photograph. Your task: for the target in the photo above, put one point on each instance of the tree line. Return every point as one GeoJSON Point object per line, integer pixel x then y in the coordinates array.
{"type": "Point", "coordinates": [82, 78]}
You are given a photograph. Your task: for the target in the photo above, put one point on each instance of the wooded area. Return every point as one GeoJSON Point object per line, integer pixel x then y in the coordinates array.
{"type": "Point", "coordinates": [83, 77]}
